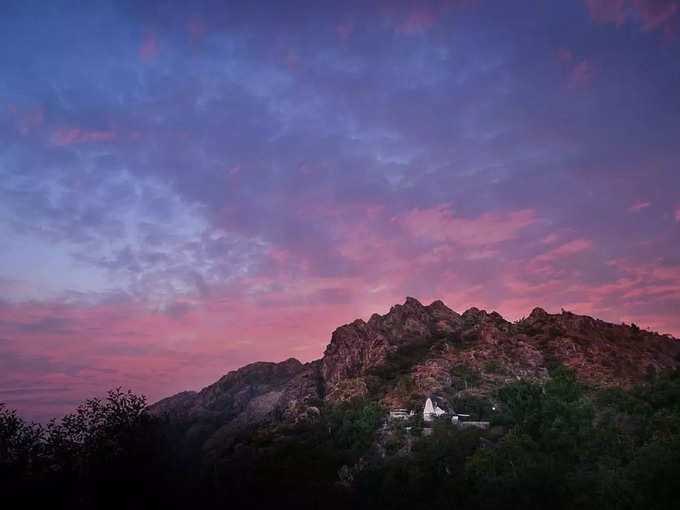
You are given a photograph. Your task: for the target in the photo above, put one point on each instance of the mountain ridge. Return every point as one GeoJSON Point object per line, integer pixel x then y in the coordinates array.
{"type": "Point", "coordinates": [416, 350]}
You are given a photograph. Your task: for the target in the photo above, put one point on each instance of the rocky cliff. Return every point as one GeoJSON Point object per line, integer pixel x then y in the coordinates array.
{"type": "Point", "coordinates": [251, 395]}
{"type": "Point", "coordinates": [416, 350]}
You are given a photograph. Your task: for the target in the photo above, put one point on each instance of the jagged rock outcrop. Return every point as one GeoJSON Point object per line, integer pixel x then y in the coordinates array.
{"type": "Point", "coordinates": [417, 350]}
{"type": "Point", "coordinates": [354, 349]}
{"type": "Point", "coordinates": [357, 348]}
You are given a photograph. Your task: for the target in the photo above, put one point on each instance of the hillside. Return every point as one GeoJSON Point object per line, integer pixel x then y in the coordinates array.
{"type": "Point", "coordinates": [413, 351]}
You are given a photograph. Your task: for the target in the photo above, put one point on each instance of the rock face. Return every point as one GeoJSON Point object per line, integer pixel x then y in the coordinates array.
{"type": "Point", "coordinates": [417, 350]}
{"type": "Point", "coordinates": [255, 393]}
{"type": "Point", "coordinates": [359, 347]}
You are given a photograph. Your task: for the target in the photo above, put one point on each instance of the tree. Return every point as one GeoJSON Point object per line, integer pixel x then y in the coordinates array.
{"type": "Point", "coordinates": [21, 446]}
{"type": "Point", "coordinates": [107, 454]}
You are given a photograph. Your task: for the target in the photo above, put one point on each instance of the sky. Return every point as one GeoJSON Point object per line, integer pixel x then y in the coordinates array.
{"type": "Point", "coordinates": [187, 187]}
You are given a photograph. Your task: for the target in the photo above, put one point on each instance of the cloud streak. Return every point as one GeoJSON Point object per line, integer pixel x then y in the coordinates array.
{"type": "Point", "coordinates": [441, 224]}
{"type": "Point", "coordinates": [649, 15]}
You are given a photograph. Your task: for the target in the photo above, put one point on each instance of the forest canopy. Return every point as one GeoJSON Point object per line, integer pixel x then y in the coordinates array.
{"type": "Point", "coordinates": [559, 446]}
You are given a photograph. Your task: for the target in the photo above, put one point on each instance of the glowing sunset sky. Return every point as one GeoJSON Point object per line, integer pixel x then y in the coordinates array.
{"type": "Point", "coordinates": [188, 188]}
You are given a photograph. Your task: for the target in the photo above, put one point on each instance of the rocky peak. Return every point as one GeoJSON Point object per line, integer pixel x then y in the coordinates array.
{"type": "Point", "coordinates": [263, 370]}
{"type": "Point", "coordinates": [354, 348]}
{"type": "Point", "coordinates": [358, 347]}
{"type": "Point", "coordinates": [440, 311]}
{"type": "Point", "coordinates": [410, 316]}
{"type": "Point", "coordinates": [496, 317]}
{"type": "Point", "coordinates": [412, 319]}
{"type": "Point", "coordinates": [538, 313]}
{"type": "Point", "coordinates": [411, 302]}
{"type": "Point", "coordinates": [472, 312]}
{"type": "Point", "coordinates": [537, 316]}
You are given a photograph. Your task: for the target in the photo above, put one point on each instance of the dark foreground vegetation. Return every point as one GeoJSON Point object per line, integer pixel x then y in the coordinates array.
{"type": "Point", "coordinates": [556, 446]}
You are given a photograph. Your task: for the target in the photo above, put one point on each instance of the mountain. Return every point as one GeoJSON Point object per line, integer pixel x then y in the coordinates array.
{"type": "Point", "coordinates": [414, 351]}
{"type": "Point", "coordinates": [576, 412]}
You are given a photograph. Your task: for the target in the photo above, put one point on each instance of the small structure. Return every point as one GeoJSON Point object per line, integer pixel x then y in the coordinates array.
{"type": "Point", "coordinates": [400, 414]}
{"type": "Point", "coordinates": [477, 424]}
{"type": "Point", "coordinates": [456, 418]}
{"type": "Point", "coordinates": [432, 410]}
{"type": "Point", "coordinates": [457, 422]}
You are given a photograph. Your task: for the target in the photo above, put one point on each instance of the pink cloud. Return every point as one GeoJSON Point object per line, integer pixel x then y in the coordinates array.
{"type": "Point", "coordinates": [658, 15]}
{"type": "Point", "coordinates": [570, 248]}
{"type": "Point", "coordinates": [631, 290]}
{"type": "Point", "coordinates": [291, 59]}
{"type": "Point", "coordinates": [608, 10]}
{"type": "Point", "coordinates": [67, 135]}
{"type": "Point", "coordinates": [564, 54]}
{"type": "Point", "coordinates": [196, 27]}
{"type": "Point", "coordinates": [579, 71]}
{"type": "Point", "coordinates": [441, 224]}
{"type": "Point", "coordinates": [677, 215]}
{"type": "Point", "coordinates": [344, 31]}
{"type": "Point", "coordinates": [420, 17]}
{"type": "Point", "coordinates": [636, 279]}
{"type": "Point", "coordinates": [550, 238]}
{"type": "Point", "coordinates": [149, 47]}
{"type": "Point", "coordinates": [649, 14]}
{"type": "Point", "coordinates": [97, 136]}
{"type": "Point", "coordinates": [25, 119]}
{"type": "Point", "coordinates": [639, 206]}
{"type": "Point", "coordinates": [581, 74]}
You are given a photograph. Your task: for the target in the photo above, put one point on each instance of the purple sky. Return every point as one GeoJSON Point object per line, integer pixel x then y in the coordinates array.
{"type": "Point", "coordinates": [186, 188]}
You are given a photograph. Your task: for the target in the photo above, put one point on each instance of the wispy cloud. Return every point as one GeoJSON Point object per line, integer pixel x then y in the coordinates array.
{"type": "Point", "coordinates": [148, 49]}
{"type": "Point", "coordinates": [648, 14]}
{"type": "Point", "coordinates": [570, 248]}
{"type": "Point", "coordinates": [440, 223]}
{"type": "Point", "coordinates": [581, 74]}
{"type": "Point", "coordinates": [639, 206]}
{"type": "Point", "coordinates": [67, 135]}
{"type": "Point", "coordinates": [344, 31]}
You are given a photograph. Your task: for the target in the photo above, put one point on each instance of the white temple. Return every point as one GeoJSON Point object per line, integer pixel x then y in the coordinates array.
{"type": "Point", "coordinates": [431, 410]}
